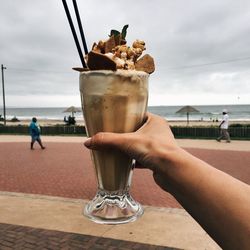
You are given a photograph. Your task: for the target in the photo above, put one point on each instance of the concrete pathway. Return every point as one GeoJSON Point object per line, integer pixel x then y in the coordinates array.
{"type": "Point", "coordinates": [47, 189]}
{"type": "Point", "coordinates": [186, 143]}
{"type": "Point", "coordinates": [158, 226]}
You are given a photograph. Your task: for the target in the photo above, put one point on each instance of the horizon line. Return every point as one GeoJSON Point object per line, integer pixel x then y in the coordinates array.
{"type": "Point", "coordinates": [161, 105]}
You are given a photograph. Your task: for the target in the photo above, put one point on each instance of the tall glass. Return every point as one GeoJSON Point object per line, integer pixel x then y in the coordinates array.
{"type": "Point", "coordinates": [113, 102]}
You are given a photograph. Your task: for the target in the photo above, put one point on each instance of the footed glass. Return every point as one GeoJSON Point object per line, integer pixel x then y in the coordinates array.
{"type": "Point", "coordinates": [113, 102]}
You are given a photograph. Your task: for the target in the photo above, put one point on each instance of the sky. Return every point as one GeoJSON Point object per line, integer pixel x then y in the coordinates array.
{"type": "Point", "coordinates": [201, 49]}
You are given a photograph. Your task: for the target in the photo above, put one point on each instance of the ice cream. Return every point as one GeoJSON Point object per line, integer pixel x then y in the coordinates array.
{"type": "Point", "coordinates": [114, 95]}
{"type": "Point", "coordinates": [114, 53]}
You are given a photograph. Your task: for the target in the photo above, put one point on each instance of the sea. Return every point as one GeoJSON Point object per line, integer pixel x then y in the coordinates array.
{"type": "Point", "coordinates": [206, 113]}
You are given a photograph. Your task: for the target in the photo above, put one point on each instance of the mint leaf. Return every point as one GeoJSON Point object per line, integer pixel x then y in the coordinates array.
{"type": "Point", "coordinates": [114, 32]}
{"type": "Point", "coordinates": [124, 31]}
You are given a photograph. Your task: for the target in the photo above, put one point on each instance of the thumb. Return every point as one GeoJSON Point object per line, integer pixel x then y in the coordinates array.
{"type": "Point", "coordinates": [104, 140]}
{"type": "Point", "coordinates": [128, 143]}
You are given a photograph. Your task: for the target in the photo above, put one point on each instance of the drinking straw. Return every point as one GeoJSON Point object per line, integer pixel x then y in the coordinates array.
{"type": "Point", "coordinates": [74, 33]}
{"type": "Point", "coordinates": [80, 27]}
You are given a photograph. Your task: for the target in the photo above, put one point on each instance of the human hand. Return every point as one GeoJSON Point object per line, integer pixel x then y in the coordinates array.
{"type": "Point", "coordinates": [149, 145]}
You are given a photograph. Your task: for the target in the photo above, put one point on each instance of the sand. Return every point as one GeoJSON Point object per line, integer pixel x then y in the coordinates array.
{"type": "Point", "coordinates": [80, 122]}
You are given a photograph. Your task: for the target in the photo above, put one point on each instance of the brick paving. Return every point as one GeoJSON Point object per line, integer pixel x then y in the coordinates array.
{"type": "Point", "coordinates": [21, 237]}
{"type": "Point", "coordinates": [65, 169]}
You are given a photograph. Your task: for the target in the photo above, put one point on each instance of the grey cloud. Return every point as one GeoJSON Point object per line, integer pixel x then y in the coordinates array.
{"type": "Point", "coordinates": [36, 39]}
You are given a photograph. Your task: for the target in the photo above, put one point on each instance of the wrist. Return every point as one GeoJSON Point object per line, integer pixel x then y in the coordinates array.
{"type": "Point", "coordinates": [167, 156]}
{"type": "Point", "coordinates": [174, 163]}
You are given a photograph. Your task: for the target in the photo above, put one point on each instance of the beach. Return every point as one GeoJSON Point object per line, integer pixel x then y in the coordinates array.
{"type": "Point", "coordinates": [80, 122]}
{"type": "Point", "coordinates": [209, 115]}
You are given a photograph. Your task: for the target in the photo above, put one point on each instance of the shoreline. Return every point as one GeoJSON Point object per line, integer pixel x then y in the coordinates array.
{"type": "Point", "coordinates": [80, 122]}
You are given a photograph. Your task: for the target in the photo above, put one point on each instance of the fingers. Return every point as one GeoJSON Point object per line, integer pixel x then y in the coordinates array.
{"type": "Point", "coordinates": [153, 122]}
{"type": "Point", "coordinates": [138, 145]}
{"type": "Point", "coordinates": [104, 140]}
{"type": "Point", "coordinates": [128, 143]}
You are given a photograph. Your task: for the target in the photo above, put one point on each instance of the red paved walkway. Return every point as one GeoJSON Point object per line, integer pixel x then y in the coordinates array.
{"type": "Point", "coordinates": [64, 169]}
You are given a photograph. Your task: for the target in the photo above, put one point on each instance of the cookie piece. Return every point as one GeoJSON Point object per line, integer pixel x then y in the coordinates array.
{"type": "Point", "coordinates": [109, 44]}
{"type": "Point", "coordinates": [97, 61]}
{"type": "Point", "coordinates": [146, 64]}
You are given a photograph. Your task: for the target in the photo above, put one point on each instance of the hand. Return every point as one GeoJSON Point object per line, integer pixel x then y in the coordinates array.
{"type": "Point", "coordinates": [148, 145]}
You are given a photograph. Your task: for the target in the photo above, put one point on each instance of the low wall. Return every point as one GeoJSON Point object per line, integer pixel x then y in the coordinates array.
{"type": "Point", "coordinates": [179, 132]}
{"type": "Point", "coordinates": [45, 130]}
{"type": "Point", "coordinates": [210, 132]}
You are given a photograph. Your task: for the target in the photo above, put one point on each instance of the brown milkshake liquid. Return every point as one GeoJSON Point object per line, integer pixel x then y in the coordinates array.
{"type": "Point", "coordinates": [113, 102]}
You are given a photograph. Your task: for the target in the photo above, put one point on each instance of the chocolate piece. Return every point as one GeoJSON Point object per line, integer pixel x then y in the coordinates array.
{"type": "Point", "coordinates": [146, 63]}
{"type": "Point", "coordinates": [97, 61]}
{"type": "Point", "coordinates": [123, 42]}
{"type": "Point", "coordinates": [109, 44]}
{"type": "Point", "coordinates": [96, 48]}
{"type": "Point", "coordinates": [80, 69]}
{"type": "Point", "coordinates": [118, 39]}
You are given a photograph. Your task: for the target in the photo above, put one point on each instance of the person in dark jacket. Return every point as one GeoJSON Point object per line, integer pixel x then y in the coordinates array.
{"type": "Point", "coordinates": [35, 131]}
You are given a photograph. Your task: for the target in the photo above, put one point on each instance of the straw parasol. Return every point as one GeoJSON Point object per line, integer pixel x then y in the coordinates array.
{"type": "Point", "coordinates": [72, 110]}
{"type": "Point", "coordinates": [187, 110]}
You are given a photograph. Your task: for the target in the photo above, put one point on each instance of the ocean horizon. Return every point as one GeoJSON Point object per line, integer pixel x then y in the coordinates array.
{"type": "Point", "coordinates": [236, 112]}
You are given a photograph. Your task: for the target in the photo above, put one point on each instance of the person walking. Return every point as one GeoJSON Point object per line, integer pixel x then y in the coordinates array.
{"type": "Point", "coordinates": [224, 127]}
{"type": "Point", "coordinates": [35, 132]}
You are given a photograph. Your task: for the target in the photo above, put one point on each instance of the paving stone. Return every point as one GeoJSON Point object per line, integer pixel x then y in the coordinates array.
{"type": "Point", "coordinates": [65, 170]}
{"type": "Point", "coordinates": [45, 239]}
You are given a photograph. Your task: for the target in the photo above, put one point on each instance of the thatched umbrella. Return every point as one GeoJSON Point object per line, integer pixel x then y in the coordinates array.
{"type": "Point", "coordinates": [187, 110]}
{"type": "Point", "coordinates": [72, 110]}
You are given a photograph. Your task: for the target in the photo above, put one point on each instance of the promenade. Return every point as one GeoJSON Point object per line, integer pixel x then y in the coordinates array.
{"type": "Point", "coordinates": [42, 193]}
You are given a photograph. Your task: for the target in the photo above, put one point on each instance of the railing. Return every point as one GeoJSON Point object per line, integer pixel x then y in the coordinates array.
{"type": "Point", "coordinates": [210, 132]}
{"type": "Point", "coordinates": [45, 130]}
{"type": "Point", "coordinates": [179, 132]}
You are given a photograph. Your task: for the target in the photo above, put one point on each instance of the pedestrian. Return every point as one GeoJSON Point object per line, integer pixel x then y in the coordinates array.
{"type": "Point", "coordinates": [217, 201]}
{"type": "Point", "coordinates": [35, 132]}
{"type": "Point", "coordinates": [224, 127]}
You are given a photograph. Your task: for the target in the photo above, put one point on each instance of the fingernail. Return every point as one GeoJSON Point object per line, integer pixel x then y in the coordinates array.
{"type": "Point", "coordinates": [87, 143]}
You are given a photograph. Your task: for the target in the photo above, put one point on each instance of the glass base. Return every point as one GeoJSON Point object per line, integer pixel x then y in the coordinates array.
{"type": "Point", "coordinates": [113, 208]}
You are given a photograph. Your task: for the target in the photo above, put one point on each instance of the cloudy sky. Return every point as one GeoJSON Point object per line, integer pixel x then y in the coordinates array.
{"type": "Point", "coordinates": [201, 49]}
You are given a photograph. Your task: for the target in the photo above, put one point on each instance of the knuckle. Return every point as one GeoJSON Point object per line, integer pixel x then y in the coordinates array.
{"type": "Point", "coordinates": [98, 138]}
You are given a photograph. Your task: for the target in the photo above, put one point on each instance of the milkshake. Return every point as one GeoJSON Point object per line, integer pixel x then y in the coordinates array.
{"type": "Point", "coordinates": [113, 102]}
{"type": "Point", "coordinates": [114, 95]}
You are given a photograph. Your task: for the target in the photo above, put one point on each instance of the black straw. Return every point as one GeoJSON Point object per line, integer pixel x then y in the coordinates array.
{"type": "Point", "coordinates": [74, 33]}
{"type": "Point", "coordinates": [80, 27]}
